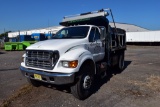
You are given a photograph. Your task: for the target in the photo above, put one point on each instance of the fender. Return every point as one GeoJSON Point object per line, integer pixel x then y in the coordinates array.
{"type": "Point", "coordinates": [78, 53]}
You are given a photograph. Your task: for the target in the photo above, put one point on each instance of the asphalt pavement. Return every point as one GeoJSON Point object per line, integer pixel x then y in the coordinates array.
{"type": "Point", "coordinates": [136, 86]}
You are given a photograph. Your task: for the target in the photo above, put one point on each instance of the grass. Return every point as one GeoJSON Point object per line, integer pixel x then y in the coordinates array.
{"type": "Point", "coordinates": [152, 82]}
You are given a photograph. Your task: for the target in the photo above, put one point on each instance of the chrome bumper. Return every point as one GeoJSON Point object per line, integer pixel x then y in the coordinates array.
{"type": "Point", "coordinates": [53, 78]}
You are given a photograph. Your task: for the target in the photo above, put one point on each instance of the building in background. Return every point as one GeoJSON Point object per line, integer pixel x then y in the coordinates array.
{"type": "Point", "coordinates": [139, 35]}
{"type": "Point", "coordinates": [129, 27]}
{"type": "Point", "coordinates": [134, 33]}
{"type": "Point", "coordinates": [48, 30]}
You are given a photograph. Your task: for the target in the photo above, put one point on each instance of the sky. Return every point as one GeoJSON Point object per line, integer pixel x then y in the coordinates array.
{"type": "Point", "coordinates": [18, 15]}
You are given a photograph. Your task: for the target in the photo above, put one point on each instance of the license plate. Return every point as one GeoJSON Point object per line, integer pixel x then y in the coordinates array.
{"type": "Point", "coordinates": [37, 76]}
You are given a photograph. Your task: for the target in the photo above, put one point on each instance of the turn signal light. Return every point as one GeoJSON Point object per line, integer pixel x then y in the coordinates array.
{"type": "Point", "coordinates": [70, 64]}
{"type": "Point", "coordinates": [73, 64]}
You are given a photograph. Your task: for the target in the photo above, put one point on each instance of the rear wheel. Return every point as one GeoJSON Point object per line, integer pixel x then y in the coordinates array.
{"type": "Point", "coordinates": [121, 62]}
{"type": "Point", "coordinates": [82, 89]}
{"type": "Point", "coordinates": [33, 82]}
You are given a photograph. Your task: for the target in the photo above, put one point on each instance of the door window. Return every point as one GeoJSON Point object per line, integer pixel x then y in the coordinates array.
{"type": "Point", "coordinates": [97, 34]}
{"type": "Point", "coordinates": [94, 35]}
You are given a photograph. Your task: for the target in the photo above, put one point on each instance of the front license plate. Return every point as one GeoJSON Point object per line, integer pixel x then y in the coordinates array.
{"type": "Point", "coordinates": [37, 76]}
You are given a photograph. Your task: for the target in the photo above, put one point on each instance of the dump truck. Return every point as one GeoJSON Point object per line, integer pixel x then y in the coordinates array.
{"type": "Point", "coordinates": [78, 53]}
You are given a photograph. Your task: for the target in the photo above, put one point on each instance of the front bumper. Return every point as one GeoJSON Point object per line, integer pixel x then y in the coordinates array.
{"type": "Point", "coordinates": [53, 78]}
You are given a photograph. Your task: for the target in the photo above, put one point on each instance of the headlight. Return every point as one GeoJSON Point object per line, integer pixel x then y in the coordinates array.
{"type": "Point", "coordinates": [70, 64]}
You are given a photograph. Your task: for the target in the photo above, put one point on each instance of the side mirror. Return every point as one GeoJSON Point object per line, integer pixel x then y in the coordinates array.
{"type": "Point", "coordinates": [103, 33]}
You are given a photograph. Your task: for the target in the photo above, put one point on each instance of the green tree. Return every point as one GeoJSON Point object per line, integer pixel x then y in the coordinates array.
{"type": "Point", "coordinates": [4, 34]}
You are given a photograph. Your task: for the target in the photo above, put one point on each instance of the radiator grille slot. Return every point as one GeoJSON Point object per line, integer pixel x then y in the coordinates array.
{"type": "Point", "coordinates": [41, 59]}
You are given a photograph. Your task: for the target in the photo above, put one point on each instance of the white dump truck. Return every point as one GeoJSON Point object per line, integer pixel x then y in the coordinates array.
{"type": "Point", "coordinates": [77, 53]}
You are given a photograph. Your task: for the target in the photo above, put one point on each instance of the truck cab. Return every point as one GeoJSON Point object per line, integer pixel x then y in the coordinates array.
{"type": "Point", "coordinates": [80, 51]}
{"type": "Point", "coordinates": [89, 35]}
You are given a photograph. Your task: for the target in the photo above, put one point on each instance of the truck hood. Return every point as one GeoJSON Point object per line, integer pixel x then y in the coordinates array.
{"type": "Point", "coordinates": [61, 45]}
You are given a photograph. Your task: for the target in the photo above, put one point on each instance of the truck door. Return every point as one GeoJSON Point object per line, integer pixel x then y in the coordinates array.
{"type": "Point", "coordinates": [95, 44]}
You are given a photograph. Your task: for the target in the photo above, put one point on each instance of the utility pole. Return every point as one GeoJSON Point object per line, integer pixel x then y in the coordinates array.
{"type": "Point", "coordinates": [4, 33]}
{"type": "Point", "coordinates": [48, 22]}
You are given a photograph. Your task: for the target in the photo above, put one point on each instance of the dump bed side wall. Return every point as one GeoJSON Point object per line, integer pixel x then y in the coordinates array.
{"type": "Point", "coordinates": [115, 45]}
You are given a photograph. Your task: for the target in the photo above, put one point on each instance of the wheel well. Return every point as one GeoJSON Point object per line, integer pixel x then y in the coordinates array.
{"type": "Point", "coordinates": [89, 63]}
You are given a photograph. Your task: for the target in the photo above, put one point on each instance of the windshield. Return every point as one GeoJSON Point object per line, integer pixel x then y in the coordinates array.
{"type": "Point", "coordinates": [72, 32]}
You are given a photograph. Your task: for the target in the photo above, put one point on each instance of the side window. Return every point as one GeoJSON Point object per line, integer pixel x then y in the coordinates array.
{"type": "Point", "coordinates": [62, 34]}
{"type": "Point", "coordinates": [97, 34]}
{"type": "Point", "coordinates": [91, 35]}
{"type": "Point", "coordinates": [94, 35]}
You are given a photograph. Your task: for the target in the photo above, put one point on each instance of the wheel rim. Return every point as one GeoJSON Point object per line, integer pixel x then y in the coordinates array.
{"type": "Point", "coordinates": [87, 82]}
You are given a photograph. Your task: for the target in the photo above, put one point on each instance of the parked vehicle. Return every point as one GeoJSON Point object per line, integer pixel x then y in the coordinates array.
{"type": "Point", "coordinates": [21, 42]}
{"type": "Point", "coordinates": [79, 52]}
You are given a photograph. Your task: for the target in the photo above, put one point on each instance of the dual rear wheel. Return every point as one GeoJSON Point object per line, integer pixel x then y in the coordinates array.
{"type": "Point", "coordinates": [120, 64]}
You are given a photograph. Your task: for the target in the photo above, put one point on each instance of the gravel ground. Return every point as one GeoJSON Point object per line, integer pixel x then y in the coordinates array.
{"type": "Point", "coordinates": [10, 77]}
{"type": "Point", "coordinates": [136, 86]}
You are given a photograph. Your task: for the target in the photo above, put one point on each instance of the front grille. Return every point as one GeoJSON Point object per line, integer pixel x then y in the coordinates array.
{"type": "Point", "coordinates": [41, 58]}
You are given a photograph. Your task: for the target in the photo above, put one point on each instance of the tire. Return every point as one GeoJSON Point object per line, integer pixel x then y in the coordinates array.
{"type": "Point", "coordinates": [33, 82]}
{"type": "Point", "coordinates": [121, 62]}
{"type": "Point", "coordinates": [82, 88]}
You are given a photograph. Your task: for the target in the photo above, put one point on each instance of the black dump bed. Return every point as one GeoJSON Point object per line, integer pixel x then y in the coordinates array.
{"type": "Point", "coordinates": [118, 37]}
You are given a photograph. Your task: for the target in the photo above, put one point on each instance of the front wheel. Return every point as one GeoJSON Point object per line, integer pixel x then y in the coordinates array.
{"type": "Point", "coordinates": [82, 89]}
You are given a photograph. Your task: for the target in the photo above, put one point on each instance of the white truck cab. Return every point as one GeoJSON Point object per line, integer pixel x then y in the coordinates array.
{"type": "Point", "coordinates": [75, 55]}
